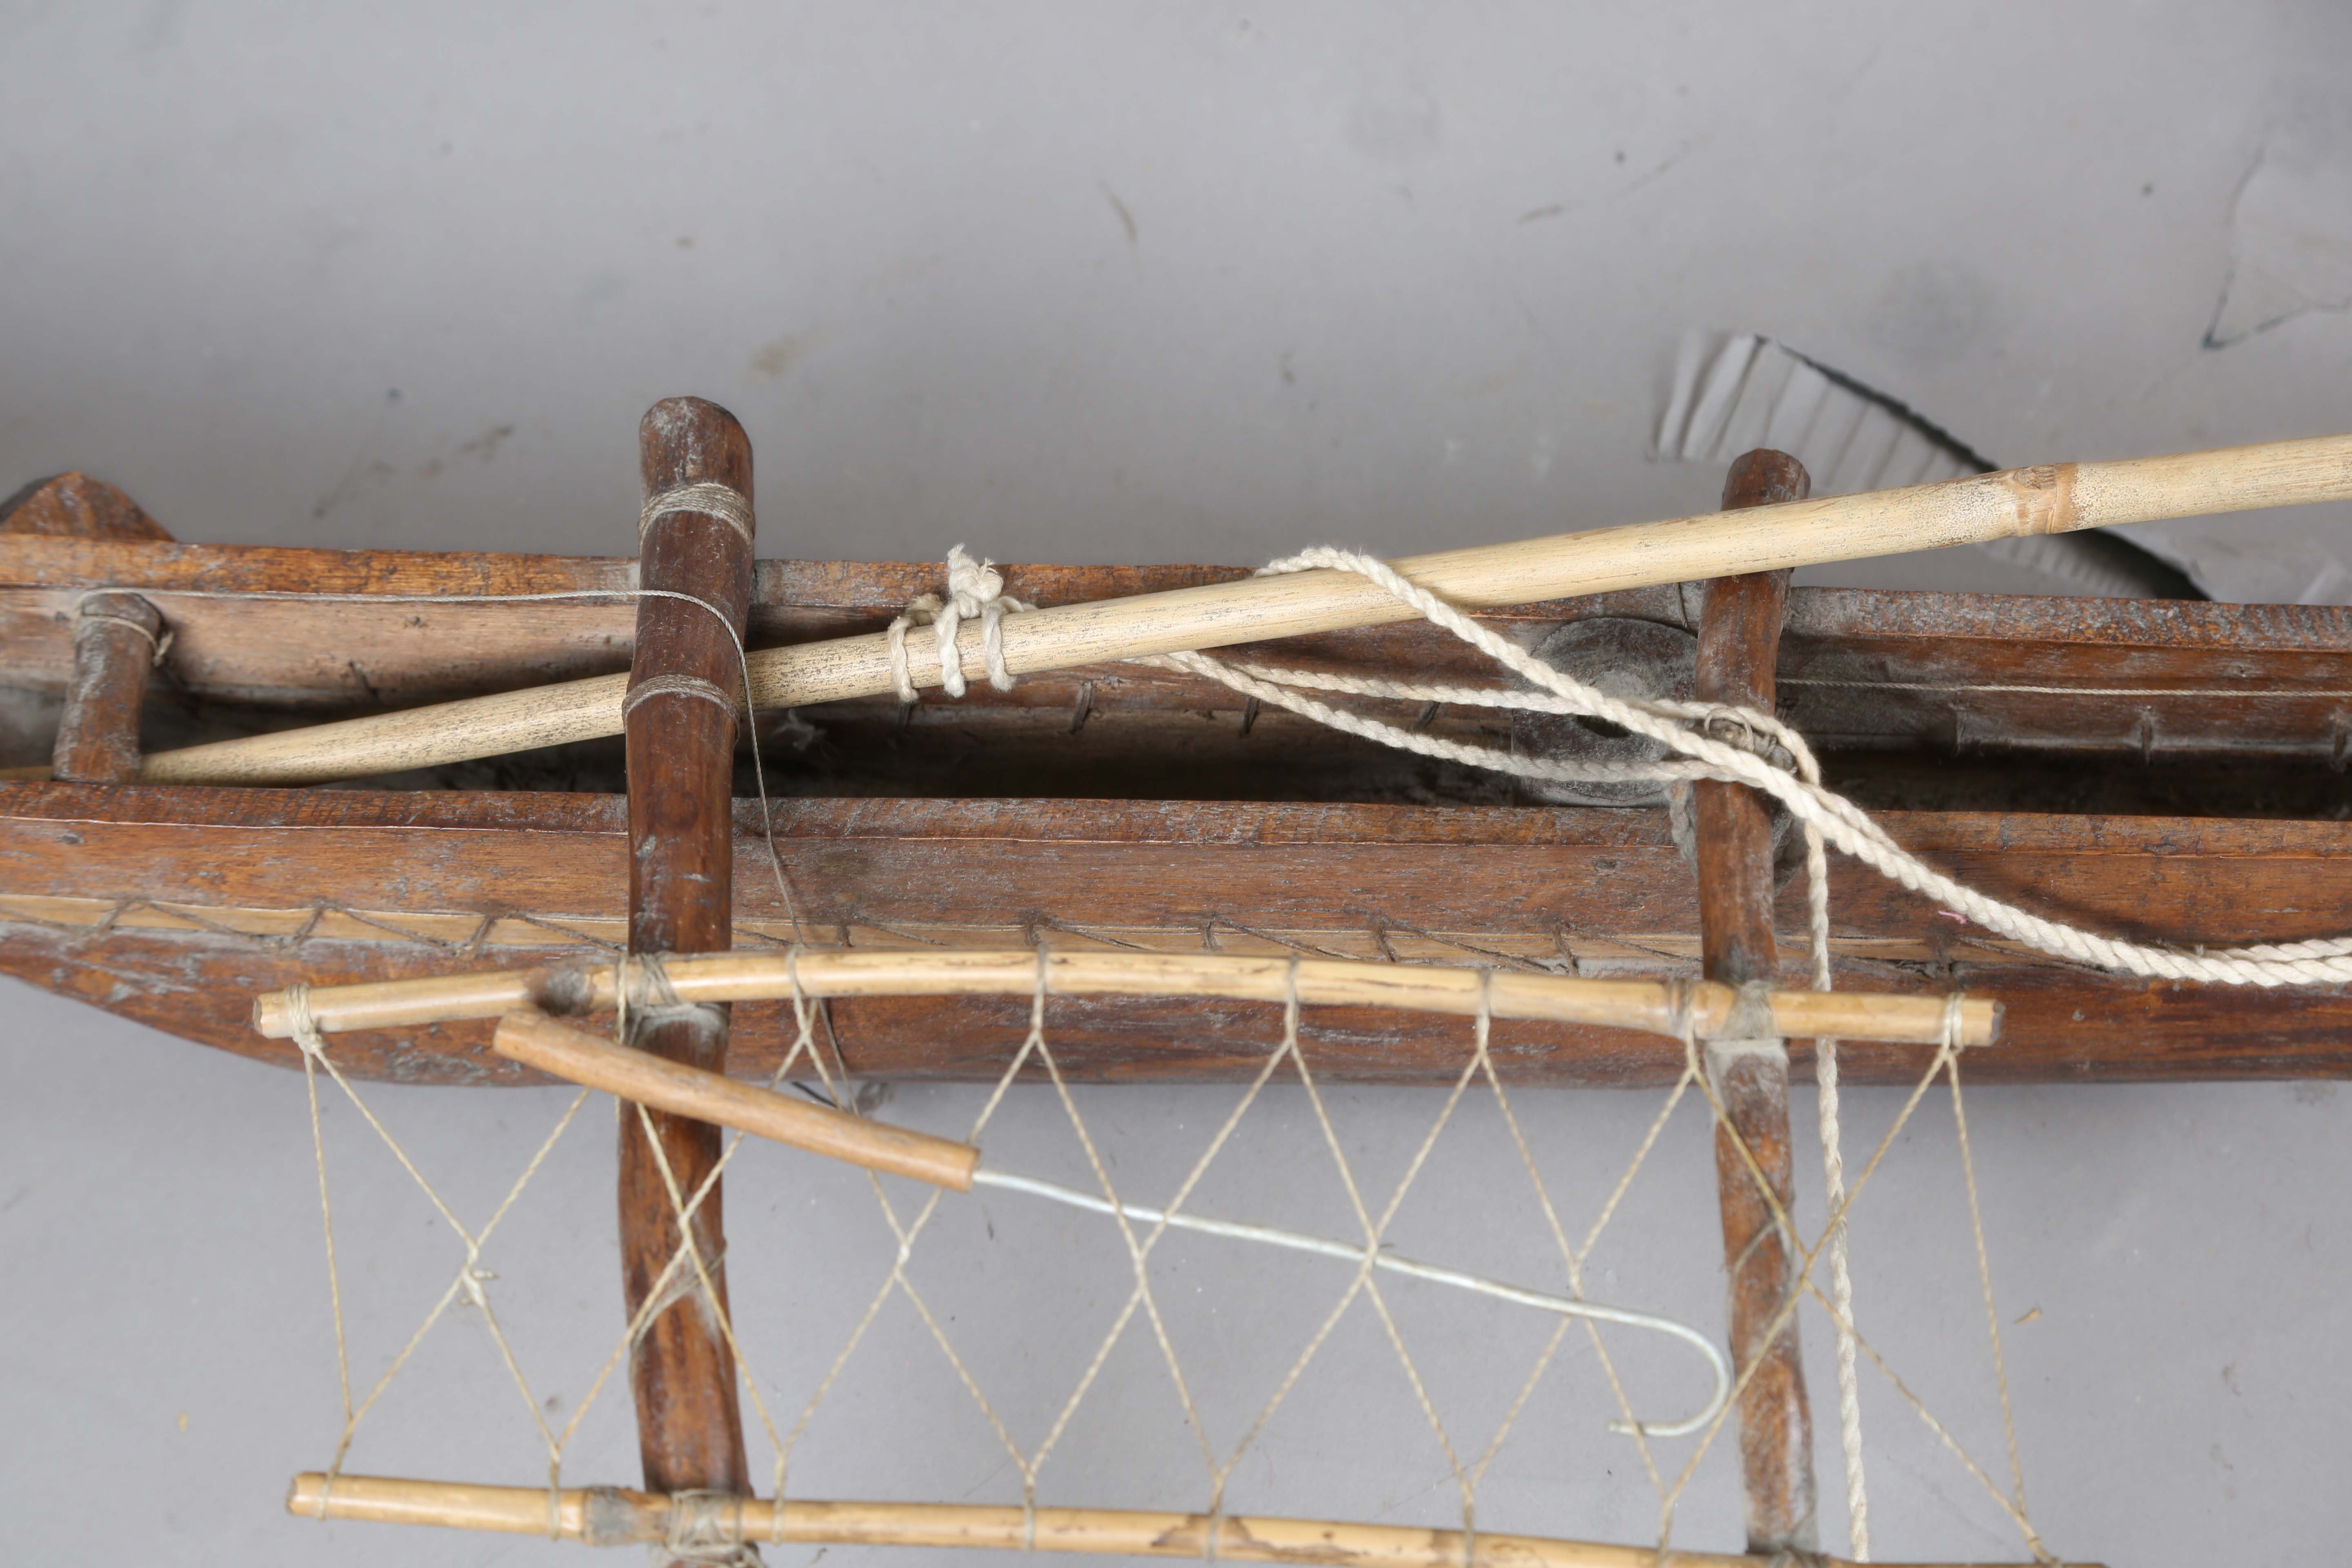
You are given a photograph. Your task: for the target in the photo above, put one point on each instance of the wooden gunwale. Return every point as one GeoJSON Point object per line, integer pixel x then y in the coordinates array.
{"type": "Point", "coordinates": [460, 878]}
{"type": "Point", "coordinates": [1215, 615]}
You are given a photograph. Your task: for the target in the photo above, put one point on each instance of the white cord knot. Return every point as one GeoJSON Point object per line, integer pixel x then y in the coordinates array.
{"type": "Point", "coordinates": [975, 592]}
{"type": "Point", "coordinates": [707, 1527]}
{"type": "Point", "coordinates": [301, 1025]}
{"type": "Point", "coordinates": [472, 1280]}
{"type": "Point", "coordinates": [728, 504]}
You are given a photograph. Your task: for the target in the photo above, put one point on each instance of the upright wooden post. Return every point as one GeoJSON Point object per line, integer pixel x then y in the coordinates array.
{"type": "Point", "coordinates": [684, 686]}
{"type": "Point", "coordinates": [1739, 642]}
{"type": "Point", "coordinates": [117, 637]}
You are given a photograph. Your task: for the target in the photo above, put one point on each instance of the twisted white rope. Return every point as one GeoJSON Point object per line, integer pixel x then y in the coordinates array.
{"type": "Point", "coordinates": [975, 592]}
{"type": "Point", "coordinates": [1816, 807]}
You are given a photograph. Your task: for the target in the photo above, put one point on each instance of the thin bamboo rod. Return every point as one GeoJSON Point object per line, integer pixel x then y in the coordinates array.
{"type": "Point", "coordinates": [2049, 499]}
{"type": "Point", "coordinates": [1656, 1006]}
{"type": "Point", "coordinates": [609, 1516]}
{"type": "Point", "coordinates": [626, 1073]}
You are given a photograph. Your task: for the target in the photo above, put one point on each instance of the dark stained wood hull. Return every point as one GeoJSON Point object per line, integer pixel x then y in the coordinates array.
{"type": "Point", "coordinates": [351, 885]}
{"type": "Point", "coordinates": [2206, 805]}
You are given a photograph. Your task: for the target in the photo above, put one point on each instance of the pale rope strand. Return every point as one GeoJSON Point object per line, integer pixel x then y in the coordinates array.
{"type": "Point", "coordinates": [162, 645]}
{"type": "Point", "coordinates": [1849, 1379]}
{"type": "Point", "coordinates": [1628, 1423]}
{"type": "Point", "coordinates": [1984, 1265]}
{"type": "Point", "coordinates": [678, 686]}
{"type": "Point", "coordinates": [306, 1035]}
{"type": "Point", "coordinates": [906, 1235]}
{"type": "Point", "coordinates": [1161, 1222]}
{"type": "Point", "coordinates": [663, 1293]}
{"type": "Point", "coordinates": [1481, 1041]}
{"type": "Point", "coordinates": [1772, 1331]}
{"type": "Point", "coordinates": [1136, 1255]}
{"type": "Point", "coordinates": [470, 1278]}
{"type": "Point", "coordinates": [1565, 1307]}
{"type": "Point", "coordinates": [1844, 822]}
{"type": "Point", "coordinates": [1945, 1057]}
{"type": "Point", "coordinates": [1849, 1390]}
{"type": "Point", "coordinates": [1375, 1229]}
{"type": "Point", "coordinates": [1943, 1434]}
{"type": "Point", "coordinates": [1833, 1135]}
{"type": "Point", "coordinates": [725, 502]}
{"type": "Point", "coordinates": [975, 592]}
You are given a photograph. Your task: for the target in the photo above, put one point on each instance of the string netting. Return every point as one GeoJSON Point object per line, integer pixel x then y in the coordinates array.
{"type": "Point", "coordinates": [1118, 1358]}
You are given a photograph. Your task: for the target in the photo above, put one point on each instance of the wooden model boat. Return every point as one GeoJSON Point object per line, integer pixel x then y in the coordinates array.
{"type": "Point", "coordinates": [292, 772]}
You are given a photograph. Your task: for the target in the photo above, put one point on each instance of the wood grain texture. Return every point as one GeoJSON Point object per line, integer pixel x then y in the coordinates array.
{"type": "Point", "coordinates": [1738, 644]}
{"type": "Point", "coordinates": [1223, 614]}
{"type": "Point", "coordinates": [597, 1061]}
{"type": "Point", "coordinates": [682, 747]}
{"type": "Point", "coordinates": [1988, 690]}
{"type": "Point", "coordinates": [1705, 1008]}
{"type": "Point", "coordinates": [75, 506]}
{"type": "Point", "coordinates": [116, 641]}
{"type": "Point", "coordinates": [1535, 884]}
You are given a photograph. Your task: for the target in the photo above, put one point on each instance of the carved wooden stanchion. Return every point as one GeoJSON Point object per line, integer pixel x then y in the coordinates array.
{"type": "Point", "coordinates": [118, 638]}
{"type": "Point", "coordinates": [684, 681]}
{"type": "Point", "coordinates": [1739, 643]}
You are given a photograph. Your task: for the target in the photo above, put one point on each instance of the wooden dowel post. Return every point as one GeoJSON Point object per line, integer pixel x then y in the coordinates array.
{"type": "Point", "coordinates": [680, 724]}
{"type": "Point", "coordinates": [117, 640]}
{"type": "Point", "coordinates": [1739, 643]}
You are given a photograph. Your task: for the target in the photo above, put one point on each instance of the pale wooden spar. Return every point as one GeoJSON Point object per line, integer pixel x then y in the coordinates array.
{"type": "Point", "coordinates": [609, 1516]}
{"type": "Point", "coordinates": [2051, 499]}
{"type": "Point", "coordinates": [627, 1073]}
{"type": "Point", "coordinates": [1653, 1006]}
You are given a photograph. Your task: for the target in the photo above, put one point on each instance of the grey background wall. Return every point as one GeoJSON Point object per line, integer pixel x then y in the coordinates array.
{"type": "Point", "coordinates": [1146, 283]}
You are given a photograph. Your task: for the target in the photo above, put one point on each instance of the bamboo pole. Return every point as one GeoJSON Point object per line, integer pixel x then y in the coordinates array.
{"type": "Point", "coordinates": [610, 1516]}
{"type": "Point", "coordinates": [539, 1041]}
{"type": "Point", "coordinates": [1656, 1006]}
{"type": "Point", "coordinates": [2048, 500]}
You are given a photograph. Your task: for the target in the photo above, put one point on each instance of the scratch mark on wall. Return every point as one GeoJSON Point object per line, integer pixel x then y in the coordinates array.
{"type": "Point", "coordinates": [1126, 218]}
{"type": "Point", "coordinates": [2291, 242]}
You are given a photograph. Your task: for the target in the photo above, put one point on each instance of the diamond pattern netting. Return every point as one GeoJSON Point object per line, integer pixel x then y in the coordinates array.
{"type": "Point", "coordinates": [1467, 1456]}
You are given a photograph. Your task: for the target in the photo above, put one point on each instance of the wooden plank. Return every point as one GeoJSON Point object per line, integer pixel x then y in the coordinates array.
{"type": "Point", "coordinates": [1532, 884]}
{"type": "Point", "coordinates": [680, 717]}
{"type": "Point", "coordinates": [1739, 642]}
{"type": "Point", "coordinates": [1856, 662]}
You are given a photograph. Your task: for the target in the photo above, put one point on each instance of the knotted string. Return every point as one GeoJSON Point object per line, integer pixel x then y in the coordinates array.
{"type": "Point", "coordinates": [975, 591]}
{"type": "Point", "coordinates": [709, 499]}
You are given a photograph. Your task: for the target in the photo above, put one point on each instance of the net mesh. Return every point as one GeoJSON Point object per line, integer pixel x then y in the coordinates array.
{"type": "Point", "coordinates": [1031, 1381]}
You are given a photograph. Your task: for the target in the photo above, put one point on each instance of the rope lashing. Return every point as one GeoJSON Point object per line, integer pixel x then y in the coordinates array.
{"type": "Point", "coordinates": [86, 619]}
{"type": "Point", "coordinates": [725, 502]}
{"type": "Point", "coordinates": [975, 592]}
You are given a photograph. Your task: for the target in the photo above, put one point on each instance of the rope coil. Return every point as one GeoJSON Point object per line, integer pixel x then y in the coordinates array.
{"type": "Point", "coordinates": [708, 498]}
